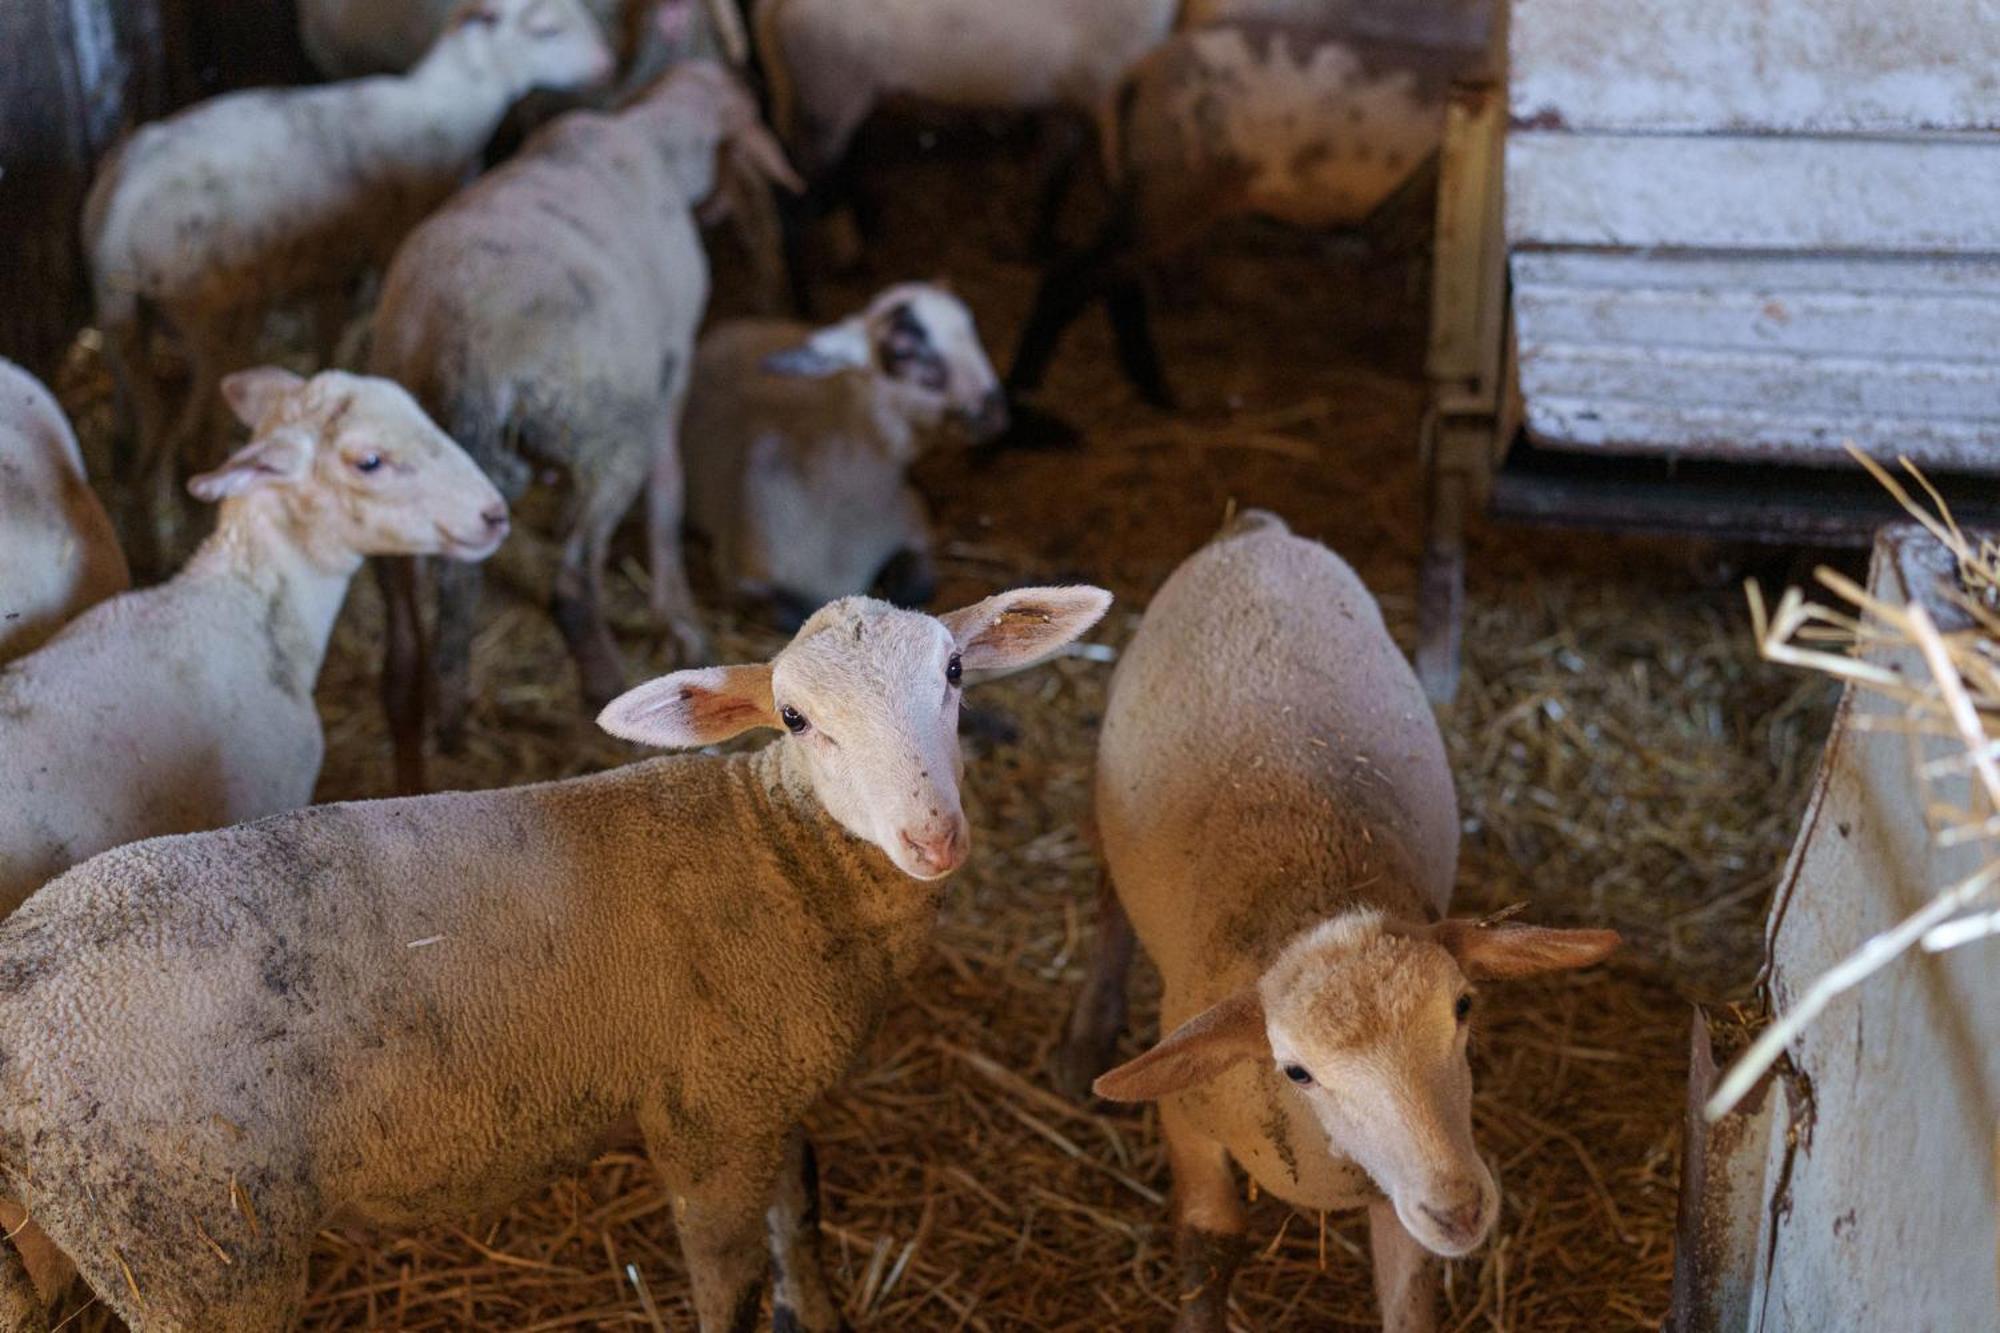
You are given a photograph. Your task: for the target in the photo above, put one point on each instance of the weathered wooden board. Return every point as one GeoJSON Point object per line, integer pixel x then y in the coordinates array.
{"type": "Point", "coordinates": [1819, 66]}
{"type": "Point", "coordinates": [1880, 1193]}
{"type": "Point", "coordinates": [71, 72]}
{"type": "Point", "coordinates": [1720, 192]}
{"type": "Point", "coordinates": [1750, 435]}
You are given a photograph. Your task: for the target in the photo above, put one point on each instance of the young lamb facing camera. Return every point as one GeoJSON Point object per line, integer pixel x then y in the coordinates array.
{"type": "Point", "coordinates": [411, 1011]}
{"type": "Point", "coordinates": [1279, 829]}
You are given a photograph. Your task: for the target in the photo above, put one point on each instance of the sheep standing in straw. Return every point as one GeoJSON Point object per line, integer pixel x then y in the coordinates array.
{"type": "Point", "coordinates": [416, 1010]}
{"type": "Point", "coordinates": [189, 705]}
{"type": "Point", "coordinates": [1279, 825]}
{"type": "Point", "coordinates": [58, 554]}
{"type": "Point", "coordinates": [200, 224]}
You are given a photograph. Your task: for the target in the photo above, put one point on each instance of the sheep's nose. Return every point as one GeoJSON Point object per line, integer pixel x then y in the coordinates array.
{"type": "Point", "coordinates": [495, 518]}
{"type": "Point", "coordinates": [1460, 1221]}
{"type": "Point", "coordinates": [937, 851]}
{"type": "Point", "coordinates": [990, 420]}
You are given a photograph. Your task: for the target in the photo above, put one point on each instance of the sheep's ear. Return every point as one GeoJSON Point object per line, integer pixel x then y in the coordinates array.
{"type": "Point", "coordinates": [1195, 1052]}
{"type": "Point", "coordinates": [252, 394]}
{"type": "Point", "coordinates": [690, 709]}
{"type": "Point", "coordinates": [1499, 953]}
{"type": "Point", "coordinates": [831, 350]}
{"type": "Point", "coordinates": [1015, 629]}
{"type": "Point", "coordinates": [673, 20]}
{"type": "Point", "coordinates": [282, 455]}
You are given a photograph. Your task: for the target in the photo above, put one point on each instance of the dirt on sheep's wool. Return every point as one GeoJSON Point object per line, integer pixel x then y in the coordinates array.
{"type": "Point", "coordinates": [1622, 759]}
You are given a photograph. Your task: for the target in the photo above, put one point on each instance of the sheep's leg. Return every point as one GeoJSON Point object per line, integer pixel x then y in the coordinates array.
{"type": "Point", "coordinates": [21, 1309]}
{"type": "Point", "coordinates": [802, 1302]}
{"type": "Point", "coordinates": [1063, 136]}
{"type": "Point", "coordinates": [722, 1231]}
{"type": "Point", "coordinates": [577, 604]}
{"type": "Point", "coordinates": [404, 669]}
{"type": "Point", "coordinates": [1068, 286]}
{"type": "Point", "coordinates": [666, 505]}
{"type": "Point", "coordinates": [1097, 1018]}
{"type": "Point", "coordinates": [1208, 1224]}
{"type": "Point", "coordinates": [128, 350]}
{"type": "Point", "coordinates": [1405, 1277]}
{"type": "Point", "coordinates": [458, 586]}
{"type": "Point", "coordinates": [1132, 328]}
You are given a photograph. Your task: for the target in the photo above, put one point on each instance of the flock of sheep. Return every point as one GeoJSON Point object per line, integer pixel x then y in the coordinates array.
{"type": "Point", "coordinates": [228, 1017]}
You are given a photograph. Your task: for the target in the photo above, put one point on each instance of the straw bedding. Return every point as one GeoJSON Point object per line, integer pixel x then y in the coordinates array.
{"type": "Point", "coordinates": [1622, 756]}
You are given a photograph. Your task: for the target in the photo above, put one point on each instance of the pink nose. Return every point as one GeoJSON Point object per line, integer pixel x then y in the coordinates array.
{"type": "Point", "coordinates": [937, 851]}
{"type": "Point", "coordinates": [1461, 1222]}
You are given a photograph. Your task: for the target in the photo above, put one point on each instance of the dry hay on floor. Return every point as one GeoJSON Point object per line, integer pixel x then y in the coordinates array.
{"type": "Point", "coordinates": [1621, 755]}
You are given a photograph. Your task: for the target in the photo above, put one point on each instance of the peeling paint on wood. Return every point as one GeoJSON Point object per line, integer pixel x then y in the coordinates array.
{"type": "Point", "coordinates": [1838, 66]}
{"type": "Point", "coordinates": [1879, 196]}
{"type": "Point", "coordinates": [1886, 1217]}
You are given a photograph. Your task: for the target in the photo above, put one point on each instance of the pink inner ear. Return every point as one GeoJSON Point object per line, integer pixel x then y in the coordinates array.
{"type": "Point", "coordinates": [720, 710]}
{"type": "Point", "coordinates": [674, 19]}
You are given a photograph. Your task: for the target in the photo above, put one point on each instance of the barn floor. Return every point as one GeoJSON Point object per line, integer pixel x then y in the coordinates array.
{"type": "Point", "coordinates": [1622, 757]}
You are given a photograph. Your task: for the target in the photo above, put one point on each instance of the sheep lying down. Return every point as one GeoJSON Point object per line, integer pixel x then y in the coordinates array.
{"type": "Point", "coordinates": [414, 1010]}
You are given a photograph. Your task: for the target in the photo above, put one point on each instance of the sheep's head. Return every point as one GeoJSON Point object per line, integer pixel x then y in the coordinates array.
{"type": "Point", "coordinates": [1366, 1020]}
{"type": "Point", "coordinates": [353, 468]}
{"type": "Point", "coordinates": [553, 44]}
{"type": "Point", "coordinates": [921, 340]}
{"type": "Point", "coordinates": [868, 695]}
{"type": "Point", "coordinates": [708, 124]}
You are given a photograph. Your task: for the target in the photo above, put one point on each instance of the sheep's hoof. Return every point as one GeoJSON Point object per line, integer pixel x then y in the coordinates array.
{"type": "Point", "coordinates": [1030, 427]}
{"type": "Point", "coordinates": [1075, 1065]}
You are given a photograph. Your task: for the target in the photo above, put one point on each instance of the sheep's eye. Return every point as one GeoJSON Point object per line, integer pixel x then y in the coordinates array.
{"type": "Point", "coordinates": [370, 462]}
{"type": "Point", "coordinates": [1463, 1008]}
{"type": "Point", "coordinates": [795, 721]}
{"type": "Point", "coordinates": [954, 672]}
{"type": "Point", "coordinates": [1298, 1075]}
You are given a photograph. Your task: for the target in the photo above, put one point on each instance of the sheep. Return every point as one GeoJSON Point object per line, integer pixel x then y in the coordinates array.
{"type": "Point", "coordinates": [547, 317]}
{"type": "Point", "coordinates": [831, 63]}
{"type": "Point", "coordinates": [1279, 829]}
{"type": "Point", "coordinates": [58, 554]}
{"type": "Point", "coordinates": [346, 39]}
{"type": "Point", "coordinates": [201, 223]}
{"type": "Point", "coordinates": [798, 441]}
{"type": "Point", "coordinates": [1314, 127]}
{"type": "Point", "coordinates": [190, 705]}
{"type": "Point", "coordinates": [414, 1010]}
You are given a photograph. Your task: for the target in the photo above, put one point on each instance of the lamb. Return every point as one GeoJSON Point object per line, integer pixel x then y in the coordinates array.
{"type": "Point", "coordinates": [190, 705]}
{"type": "Point", "coordinates": [1313, 127]}
{"type": "Point", "coordinates": [202, 223]}
{"type": "Point", "coordinates": [346, 39]}
{"type": "Point", "coordinates": [547, 317]}
{"type": "Point", "coordinates": [414, 1010]}
{"type": "Point", "coordinates": [58, 554]}
{"type": "Point", "coordinates": [1279, 829]}
{"type": "Point", "coordinates": [831, 63]}
{"type": "Point", "coordinates": [798, 442]}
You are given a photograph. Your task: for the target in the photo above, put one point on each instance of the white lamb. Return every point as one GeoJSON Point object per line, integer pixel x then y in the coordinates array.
{"type": "Point", "coordinates": [798, 443]}
{"type": "Point", "coordinates": [190, 705]}
{"type": "Point", "coordinates": [58, 554]}
{"type": "Point", "coordinates": [200, 224]}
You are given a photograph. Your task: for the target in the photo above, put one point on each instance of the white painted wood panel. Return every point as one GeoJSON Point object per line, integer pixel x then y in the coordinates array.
{"type": "Point", "coordinates": [1761, 318]}
{"type": "Point", "coordinates": [1882, 1194]}
{"type": "Point", "coordinates": [1840, 66]}
{"type": "Point", "coordinates": [1760, 381]}
{"type": "Point", "coordinates": [1952, 275]}
{"type": "Point", "coordinates": [1757, 193]}
{"type": "Point", "coordinates": [1695, 430]}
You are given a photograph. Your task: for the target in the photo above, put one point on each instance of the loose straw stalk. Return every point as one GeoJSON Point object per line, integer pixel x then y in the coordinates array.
{"type": "Point", "coordinates": [1961, 700]}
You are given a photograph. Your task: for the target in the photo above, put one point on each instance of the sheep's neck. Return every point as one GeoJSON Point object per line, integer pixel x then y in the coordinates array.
{"type": "Point", "coordinates": [451, 102]}
{"type": "Point", "coordinates": [847, 873]}
{"type": "Point", "coordinates": [256, 546]}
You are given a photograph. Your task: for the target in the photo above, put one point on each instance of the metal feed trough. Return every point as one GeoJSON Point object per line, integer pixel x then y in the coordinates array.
{"type": "Point", "coordinates": [1693, 247]}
